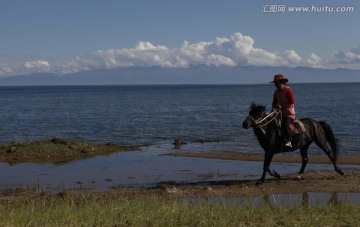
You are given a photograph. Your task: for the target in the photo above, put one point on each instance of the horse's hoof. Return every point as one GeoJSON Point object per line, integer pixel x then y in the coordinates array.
{"type": "Point", "coordinates": [299, 177]}
{"type": "Point", "coordinates": [340, 171]}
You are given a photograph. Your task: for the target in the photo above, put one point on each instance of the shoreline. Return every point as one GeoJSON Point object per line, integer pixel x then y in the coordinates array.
{"type": "Point", "coordinates": [313, 159]}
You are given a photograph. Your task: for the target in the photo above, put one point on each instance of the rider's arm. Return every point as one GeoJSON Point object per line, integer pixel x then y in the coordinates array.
{"type": "Point", "coordinates": [290, 96]}
{"type": "Point", "coordinates": [274, 103]}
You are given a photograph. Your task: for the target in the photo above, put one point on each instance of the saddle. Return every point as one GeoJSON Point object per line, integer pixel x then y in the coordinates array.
{"type": "Point", "coordinates": [296, 127]}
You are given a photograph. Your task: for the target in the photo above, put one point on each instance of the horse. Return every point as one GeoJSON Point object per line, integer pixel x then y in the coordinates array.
{"type": "Point", "coordinates": [267, 131]}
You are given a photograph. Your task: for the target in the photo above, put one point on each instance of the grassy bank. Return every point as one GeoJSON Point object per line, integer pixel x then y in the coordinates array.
{"type": "Point", "coordinates": [56, 150]}
{"type": "Point", "coordinates": [159, 210]}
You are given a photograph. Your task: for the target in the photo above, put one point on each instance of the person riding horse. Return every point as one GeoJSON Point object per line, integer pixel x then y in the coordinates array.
{"type": "Point", "coordinates": [284, 100]}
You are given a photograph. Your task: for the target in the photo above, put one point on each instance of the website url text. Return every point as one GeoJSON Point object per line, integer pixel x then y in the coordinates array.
{"type": "Point", "coordinates": [306, 9]}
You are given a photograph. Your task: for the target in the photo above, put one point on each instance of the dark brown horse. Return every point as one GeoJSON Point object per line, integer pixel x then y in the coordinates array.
{"type": "Point", "coordinates": [267, 133]}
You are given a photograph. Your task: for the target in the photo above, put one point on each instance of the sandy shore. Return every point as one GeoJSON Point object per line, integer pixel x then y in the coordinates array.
{"type": "Point", "coordinates": [314, 181]}
{"type": "Point", "coordinates": [318, 181]}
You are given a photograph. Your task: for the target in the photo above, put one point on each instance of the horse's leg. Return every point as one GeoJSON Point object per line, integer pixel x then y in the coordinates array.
{"type": "Point", "coordinates": [267, 161]}
{"type": "Point", "coordinates": [268, 158]}
{"type": "Point", "coordinates": [274, 173]}
{"type": "Point", "coordinates": [304, 156]}
{"type": "Point", "coordinates": [320, 141]}
{"type": "Point", "coordinates": [265, 169]}
{"type": "Point", "coordinates": [325, 148]}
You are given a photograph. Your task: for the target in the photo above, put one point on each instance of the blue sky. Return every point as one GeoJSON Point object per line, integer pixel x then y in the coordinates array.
{"type": "Point", "coordinates": [75, 35]}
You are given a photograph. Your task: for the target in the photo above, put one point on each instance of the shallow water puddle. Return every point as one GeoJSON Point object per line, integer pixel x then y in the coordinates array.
{"type": "Point", "coordinates": [145, 168]}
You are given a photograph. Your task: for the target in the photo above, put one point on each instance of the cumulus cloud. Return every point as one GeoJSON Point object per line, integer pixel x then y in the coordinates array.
{"type": "Point", "coordinates": [39, 64]}
{"type": "Point", "coordinates": [314, 61]}
{"type": "Point", "coordinates": [347, 59]}
{"type": "Point", "coordinates": [6, 71]}
{"type": "Point", "coordinates": [36, 66]}
{"type": "Point", "coordinates": [292, 57]}
{"type": "Point", "coordinates": [32, 66]}
{"type": "Point", "coordinates": [236, 50]}
{"type": "Point", "coordinates": [233, 51]}
{"type": "Point", "coordinates": [219, 60]}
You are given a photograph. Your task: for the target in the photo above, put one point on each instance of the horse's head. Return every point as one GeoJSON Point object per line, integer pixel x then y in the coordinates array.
{"type": "Point", "coordinates": [256, 112]}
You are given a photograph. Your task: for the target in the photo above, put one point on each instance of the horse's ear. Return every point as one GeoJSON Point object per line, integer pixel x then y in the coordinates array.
{"type": "Point", "coordinates": [253, 105]}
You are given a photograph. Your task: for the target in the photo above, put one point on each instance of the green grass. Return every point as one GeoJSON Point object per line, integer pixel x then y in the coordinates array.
{"type": "Point", "coordinates": [56, 150]}
{"type": "Point", "coordinates": [159, 210]}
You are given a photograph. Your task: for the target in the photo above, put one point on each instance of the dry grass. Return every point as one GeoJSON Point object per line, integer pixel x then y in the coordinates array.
{"type": "Point", "coordinates": [156, 209]}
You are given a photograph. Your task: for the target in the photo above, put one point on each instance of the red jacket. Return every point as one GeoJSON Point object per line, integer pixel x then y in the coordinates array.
{"type": "Point", "coordinates": [284, 97]}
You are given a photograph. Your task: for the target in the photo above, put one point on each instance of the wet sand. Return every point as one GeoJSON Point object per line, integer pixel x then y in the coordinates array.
{"type": "Point", "coordinates": [316, 181]}
{"type": "Point", "coordinates": [313, 159]}
{"type": "Point", "coordinates": [313, 181]}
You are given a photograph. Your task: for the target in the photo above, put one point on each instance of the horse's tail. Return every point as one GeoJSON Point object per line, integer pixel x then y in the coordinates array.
{"type": "Point", "coordinates": [330, 137]}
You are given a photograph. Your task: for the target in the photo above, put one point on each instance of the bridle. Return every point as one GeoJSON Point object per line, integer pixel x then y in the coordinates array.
{"type": "Point", "coordinates": [259, 122]}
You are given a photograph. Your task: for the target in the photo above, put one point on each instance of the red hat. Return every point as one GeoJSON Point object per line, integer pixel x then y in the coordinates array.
{"type": "Point", "coordinates": [279, 78]}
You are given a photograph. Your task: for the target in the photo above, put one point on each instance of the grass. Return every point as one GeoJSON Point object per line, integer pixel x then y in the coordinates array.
{"type": "Point", "coordinates": [56, 150]}
{"type": "Point", "coordinates": [113, 209]}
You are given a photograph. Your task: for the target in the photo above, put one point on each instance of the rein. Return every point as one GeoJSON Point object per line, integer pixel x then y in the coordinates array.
{"type": "Point", "coordinates": [258, 122]}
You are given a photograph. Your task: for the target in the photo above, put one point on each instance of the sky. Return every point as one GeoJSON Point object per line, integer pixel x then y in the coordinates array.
{"type": "Point", "coordinates": [69, 36]}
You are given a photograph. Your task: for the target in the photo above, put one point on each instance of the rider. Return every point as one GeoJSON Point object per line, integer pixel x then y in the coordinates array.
{"type": "Point", "coordinates": [284, 100]}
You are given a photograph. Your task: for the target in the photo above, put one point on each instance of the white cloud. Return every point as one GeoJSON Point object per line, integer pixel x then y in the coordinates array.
{"type": "Point", "coordinates": [314, 61]}
{"type": "Point", "coordinates": [33, 66]}
{"type": "Point", "coordinates": [36, 66]}
{"type": "Point", "coordinates": [6, 71]}
{"type": "Point", "coordinates": [236, 50]}
{"type": "Point", "coordinates": [347, 59]}
{"type": "Point", "coordinates": [219, 60]}
{"type": "Point", "coordinates": [39, 64]}
{"type": "Point", "coordinates": [292, 57]}
{"type": "Point", "coordinates": [78, 64]}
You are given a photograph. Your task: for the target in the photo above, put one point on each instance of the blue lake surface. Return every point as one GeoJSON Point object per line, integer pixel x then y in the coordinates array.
{"type": "Point", "coordinates": [157, 115]}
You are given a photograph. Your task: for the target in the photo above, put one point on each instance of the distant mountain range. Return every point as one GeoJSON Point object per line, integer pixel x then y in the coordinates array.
{"type": "Point", "coordinates": [192, 75]}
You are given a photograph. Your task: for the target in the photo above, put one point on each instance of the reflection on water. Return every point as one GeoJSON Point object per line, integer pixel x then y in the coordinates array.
{"type": "Point", "coordinates": [143, 168]}
{"type": "Point", "coordinates": [273, 200]}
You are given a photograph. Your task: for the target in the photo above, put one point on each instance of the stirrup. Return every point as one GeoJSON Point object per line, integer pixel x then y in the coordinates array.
{"type": "Point", "coordinates": [288, 144]}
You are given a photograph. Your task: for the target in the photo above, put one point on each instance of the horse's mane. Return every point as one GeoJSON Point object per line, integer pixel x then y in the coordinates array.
{"type": "Point", "coordinates": [257, 108]}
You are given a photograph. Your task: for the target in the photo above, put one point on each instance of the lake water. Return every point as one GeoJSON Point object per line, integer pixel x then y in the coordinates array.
{"type": "Point", "coordinates": [157, 115]}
